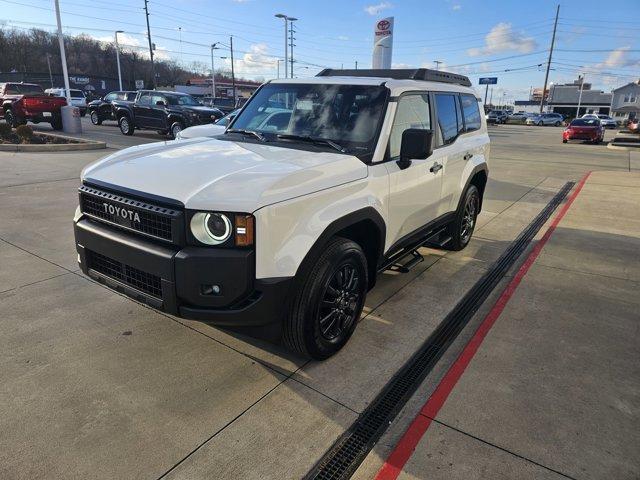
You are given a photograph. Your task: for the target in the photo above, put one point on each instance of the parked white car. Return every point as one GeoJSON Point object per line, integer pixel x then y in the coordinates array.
{"type": "Point", "coordinates": [78, 98]}
{"type": "Point", "coordinates": [545, 119]}
{"type": "Point", "coordinates": [605, 120]}
{"type": "Point", "coordinates": [282, 227]}
{"type": "Point", "coordinates": [209, 129]}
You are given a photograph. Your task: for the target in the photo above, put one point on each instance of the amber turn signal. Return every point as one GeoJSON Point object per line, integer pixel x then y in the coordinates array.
{"type": "Point", "coordinates": [244, 228]}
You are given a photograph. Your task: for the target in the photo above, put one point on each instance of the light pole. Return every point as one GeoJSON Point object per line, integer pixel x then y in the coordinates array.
{"type": "Point", "coordinates": [286, 40]}
{"type": "Point", "coordinates": [287, 19]}
{"type": "Point", "coordinates": [213, 72]}
{"type": "Point", "coordinates": [70, 121]}
{"type": "Point", "coordinates": [279, 60]}
{"type": "Point", "coordinates": [118, 58]}
{"type": "Point", "coordinates": [580, 96]}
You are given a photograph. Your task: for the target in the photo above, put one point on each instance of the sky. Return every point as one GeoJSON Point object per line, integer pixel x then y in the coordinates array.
{"type": "Point", "coordinates": [505, 39]}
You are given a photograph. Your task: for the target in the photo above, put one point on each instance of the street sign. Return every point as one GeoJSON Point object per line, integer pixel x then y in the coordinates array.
{"type": "Point", "coordinates": [139, 84]}
{"type": "Point", "coordinates": [488, 81]}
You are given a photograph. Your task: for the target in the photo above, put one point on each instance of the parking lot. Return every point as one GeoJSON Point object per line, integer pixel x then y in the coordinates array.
{"type": "Point", "coordinates": [95, 385]}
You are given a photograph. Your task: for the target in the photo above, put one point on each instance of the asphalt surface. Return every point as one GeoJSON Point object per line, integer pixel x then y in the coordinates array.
{"type": "Point", "coordinates": [95, 385]}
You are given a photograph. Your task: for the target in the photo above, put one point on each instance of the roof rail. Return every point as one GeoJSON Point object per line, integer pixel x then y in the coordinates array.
{"type": "Point", "coordinates": [400, 74]}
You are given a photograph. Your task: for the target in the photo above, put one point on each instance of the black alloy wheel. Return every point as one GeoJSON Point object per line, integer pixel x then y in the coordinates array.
{"type": "Point", "coordinates": [338, 309]}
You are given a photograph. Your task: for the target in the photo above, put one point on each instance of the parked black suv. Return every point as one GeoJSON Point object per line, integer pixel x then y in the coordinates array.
{"type": "Point", "coordinates": [100, 109]}
{"type": "Point", "coordinates": [166, 112]}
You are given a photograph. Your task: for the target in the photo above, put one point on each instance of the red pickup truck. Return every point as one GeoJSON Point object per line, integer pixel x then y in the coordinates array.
{"type": "Point", "coordinates": [22, 102]}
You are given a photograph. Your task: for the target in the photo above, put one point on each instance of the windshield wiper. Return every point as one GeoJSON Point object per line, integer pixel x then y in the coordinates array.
{"type": "Point", "coordinates": [307, 138]}
{"type": "Point", "coordinates": [258, 135]}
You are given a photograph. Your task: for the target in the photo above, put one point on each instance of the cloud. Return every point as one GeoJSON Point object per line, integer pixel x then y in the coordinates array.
{"type": "Point", "coordinates": [401, 65]}
{"type": "Point", "coordinates": [619, 58]}
{"type": "Point", "coordinates": [130, 43]}
{"type": "Point", "coordinates": [502, 38]}
{"type": "Point", "coordinates": [456, 7]}
{"type": "Point", "coordinates": [344, 38]}
{"type": "Point", "coordinates": [376, 9]}
{"type": "Point", "coordinates": [256, 60]}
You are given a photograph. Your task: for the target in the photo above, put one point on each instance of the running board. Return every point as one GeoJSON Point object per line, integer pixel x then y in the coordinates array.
{"type": "Point", "coordinates": [438, 240]}
{"type": "Point", "coordinates": [415, 259]}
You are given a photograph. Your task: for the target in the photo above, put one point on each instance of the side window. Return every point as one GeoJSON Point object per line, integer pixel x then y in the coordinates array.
{"type": "Point", "coordinates": [447, 118]}
{"type": "Point", "coordinates": [110, 97]}
{"type": "Point", "coordinates": [145, 99]}
{"type": "Point", "coordinates": [412, 112]}
{"type": "Point", "coordinates": [471, 112]}
{"type": "Point", "coordinates": [157, 98]}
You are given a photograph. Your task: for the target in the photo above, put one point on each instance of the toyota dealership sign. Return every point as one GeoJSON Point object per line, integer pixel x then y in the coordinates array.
{"type": "Point", "coordinates": [383, 43]}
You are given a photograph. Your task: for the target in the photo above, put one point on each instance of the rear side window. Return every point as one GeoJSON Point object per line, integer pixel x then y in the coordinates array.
{"type": "Point", "coordinates": [145, 99]}
{"type": "Point", "coordinates": [447, 117]}
{"type": "Point", "coordinates": [412, 112]}
{"type": "Point", "coordinates": [471, 112]}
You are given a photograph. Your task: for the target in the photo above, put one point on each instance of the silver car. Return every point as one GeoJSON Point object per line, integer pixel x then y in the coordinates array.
{"type": "Point", "coordinates": [607, 121]}
{"type": "Point", "coordinates": [546, 119]}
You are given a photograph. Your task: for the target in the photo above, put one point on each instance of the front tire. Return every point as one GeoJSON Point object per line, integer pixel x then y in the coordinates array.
{"type": "Point", "coordinates": [328, 301]}
{"type": "Point", "coordinates": [539, 123]}
{"type": "Point", "coordinates": [95, 118]}
{"type": "Point", "coordinates": [10, 118]}
{"type": "Point", "coordinates": [557, 124]}
{"type": "Point", "coordinates": [126, 127]}
{"type": "Point", "coordinates": [176, 128]}
{"type": "Point", "coordinates": [461, 229]}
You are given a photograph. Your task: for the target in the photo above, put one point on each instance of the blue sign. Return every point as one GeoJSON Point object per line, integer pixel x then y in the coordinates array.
{"type": "Point", "coordinates": [488, 81]}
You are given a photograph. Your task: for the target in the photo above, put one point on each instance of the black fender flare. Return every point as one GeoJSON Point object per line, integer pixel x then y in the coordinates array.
{"type": "Point", "coordinates": [120, 111]}
{"type": "Point", "coordinates": [177, 117]}
{"type": "Point", "coordinates": [352, 218]}
{"type": "Point", "coordinates": [483, 167]}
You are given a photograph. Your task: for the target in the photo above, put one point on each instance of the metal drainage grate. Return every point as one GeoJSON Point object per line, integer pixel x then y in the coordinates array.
{"type": "Point", "coordinates": [348, 452]}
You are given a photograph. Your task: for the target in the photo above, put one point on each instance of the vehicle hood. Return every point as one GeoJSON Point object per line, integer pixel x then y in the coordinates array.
{"type": "Point", "coordinates": [207, 130]}
{"type": "Point", "coordinates": [211, 174]}
{"type": "Point", "coordinates": [202, 109]}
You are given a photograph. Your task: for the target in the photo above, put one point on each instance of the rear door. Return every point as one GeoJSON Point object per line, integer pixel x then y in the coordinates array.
{"type": "Point", "coordinates": [450, 147]}
{"type": "Point", "coordinates": [142, 110]}
{"type": "Point", "coordinates": [414, 191]}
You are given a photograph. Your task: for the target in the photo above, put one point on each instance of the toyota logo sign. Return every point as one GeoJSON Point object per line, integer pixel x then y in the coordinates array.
{"type": "Point", "coordinates": [384, 25]}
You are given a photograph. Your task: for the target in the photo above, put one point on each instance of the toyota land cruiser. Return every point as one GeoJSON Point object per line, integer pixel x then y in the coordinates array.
{"type": "Point", "coordinates": [282, 223]}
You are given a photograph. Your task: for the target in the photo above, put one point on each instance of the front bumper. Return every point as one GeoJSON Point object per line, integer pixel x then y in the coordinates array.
{"type": "Point", "coordinates": [177, 280]}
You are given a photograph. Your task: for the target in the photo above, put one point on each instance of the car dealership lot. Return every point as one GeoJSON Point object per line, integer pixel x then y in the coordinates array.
{"type": "Point", "coordinates": [95, 385]}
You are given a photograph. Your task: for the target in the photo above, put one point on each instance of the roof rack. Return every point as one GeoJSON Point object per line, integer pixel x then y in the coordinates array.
{"type": "Point", "coordinates": [401, 74]}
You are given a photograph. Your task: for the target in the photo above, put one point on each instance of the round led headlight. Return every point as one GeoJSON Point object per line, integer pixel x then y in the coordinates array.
{"type": "Point", "coordinates": [211, 228]}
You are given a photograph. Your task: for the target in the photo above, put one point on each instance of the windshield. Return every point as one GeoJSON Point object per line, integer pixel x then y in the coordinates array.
{"type": "Point", "coordinates": [77, 94]}
{"type": "Point", "coordinates": [585, 122]}
{"type": "Point", "coordinates": [182, 100]}
{"type": "Point", "coordinates": [348, 115]}
{"type": "Point", "coordinates": [22, 89]}
{"type": "Point", "coordinates": [224, 121]}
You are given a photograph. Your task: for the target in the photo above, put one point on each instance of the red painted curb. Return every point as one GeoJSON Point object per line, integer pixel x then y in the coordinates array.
{"type": "Point", "coordinates": [416, 430]}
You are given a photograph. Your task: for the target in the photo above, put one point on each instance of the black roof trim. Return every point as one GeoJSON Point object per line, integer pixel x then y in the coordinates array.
{"type": "Point", "coordinates": [401, 74]}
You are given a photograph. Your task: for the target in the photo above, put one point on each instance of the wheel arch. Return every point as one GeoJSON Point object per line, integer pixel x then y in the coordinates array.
{"type": "Point", "coordinates": [478, 177]}
{"type": "Point", "coordinates": [366, 227]}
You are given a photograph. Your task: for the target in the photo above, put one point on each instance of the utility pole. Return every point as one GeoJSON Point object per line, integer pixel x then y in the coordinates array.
{"type": "Point", "coordinates": [153, 70]}
{"type": "Point", "coordinates": [49, 65]}
{"type": "Point", "coordinates": [356, 64]}
{"type": "Point", "coordinates": [486, 90]}
{"type": "Point", "coordinates": [437, 62]}
{"type": "Point", "coordinates": [546, 75]}
{"type": "Point", "coordinates": [278, 61]}
{"type": "Point", "coordinates": [580, 96]}
{"type": "Point", "coordinates": [213, 73]}
{"type": "Point", "coordinates": [491, 97]}
{"type": "Point", "coordinates": [291, 39]}
{"type": "Point", "coordinates": [233, 75]}
{"type": "Point", "coordinates": [118, 58]}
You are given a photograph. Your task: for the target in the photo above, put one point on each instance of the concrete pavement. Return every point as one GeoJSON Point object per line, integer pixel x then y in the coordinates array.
{"type": "Point", "coordinates": [95, 385]}
{"type": "Point", "coordinates": [554, 390]}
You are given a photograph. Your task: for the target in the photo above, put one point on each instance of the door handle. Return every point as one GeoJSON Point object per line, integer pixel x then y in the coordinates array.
{"type": "Point", "coordinates": [435, 168]}
{"type": "Point", "coordinates": [468, 156]}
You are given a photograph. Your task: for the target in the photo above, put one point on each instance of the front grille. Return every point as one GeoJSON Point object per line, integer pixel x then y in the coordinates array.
{"type": "Point", "coordinates": [142, 281]}
{"type": "Point", "coordinates": [151, 220]}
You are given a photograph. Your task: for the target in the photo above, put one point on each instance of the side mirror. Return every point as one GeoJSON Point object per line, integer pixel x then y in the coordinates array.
{"type": "Point", "coordinates": [415, 145]}
{"type": "Point", "coordinates": [160, 103]}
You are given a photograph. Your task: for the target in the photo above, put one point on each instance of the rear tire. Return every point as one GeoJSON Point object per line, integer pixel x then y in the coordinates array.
{"type": "Point", "coordinates": [95, 118]}
{"type": "Point", "coordinates": [126, 127]}
{"type": "Point", "coordinates": [461, 229]}
{"type": "Point", "coordinates": [56, 123]}
{"type": "Point", "coordinates": [539, 123]}
{"type": "Point", "coordinates": [10, 118]}
{"type": "Point", "coordinates": [328, 301]}
{"type": "Point", "coordinates": [557, 124]}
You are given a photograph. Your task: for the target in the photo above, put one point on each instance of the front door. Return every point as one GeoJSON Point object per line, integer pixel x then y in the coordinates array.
{"type": "Point", "coordinates": [414, 192]}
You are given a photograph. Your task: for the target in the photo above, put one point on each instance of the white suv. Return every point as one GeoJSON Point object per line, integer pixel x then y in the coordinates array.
{"type": "Point", "coordinates": [280, 228]}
